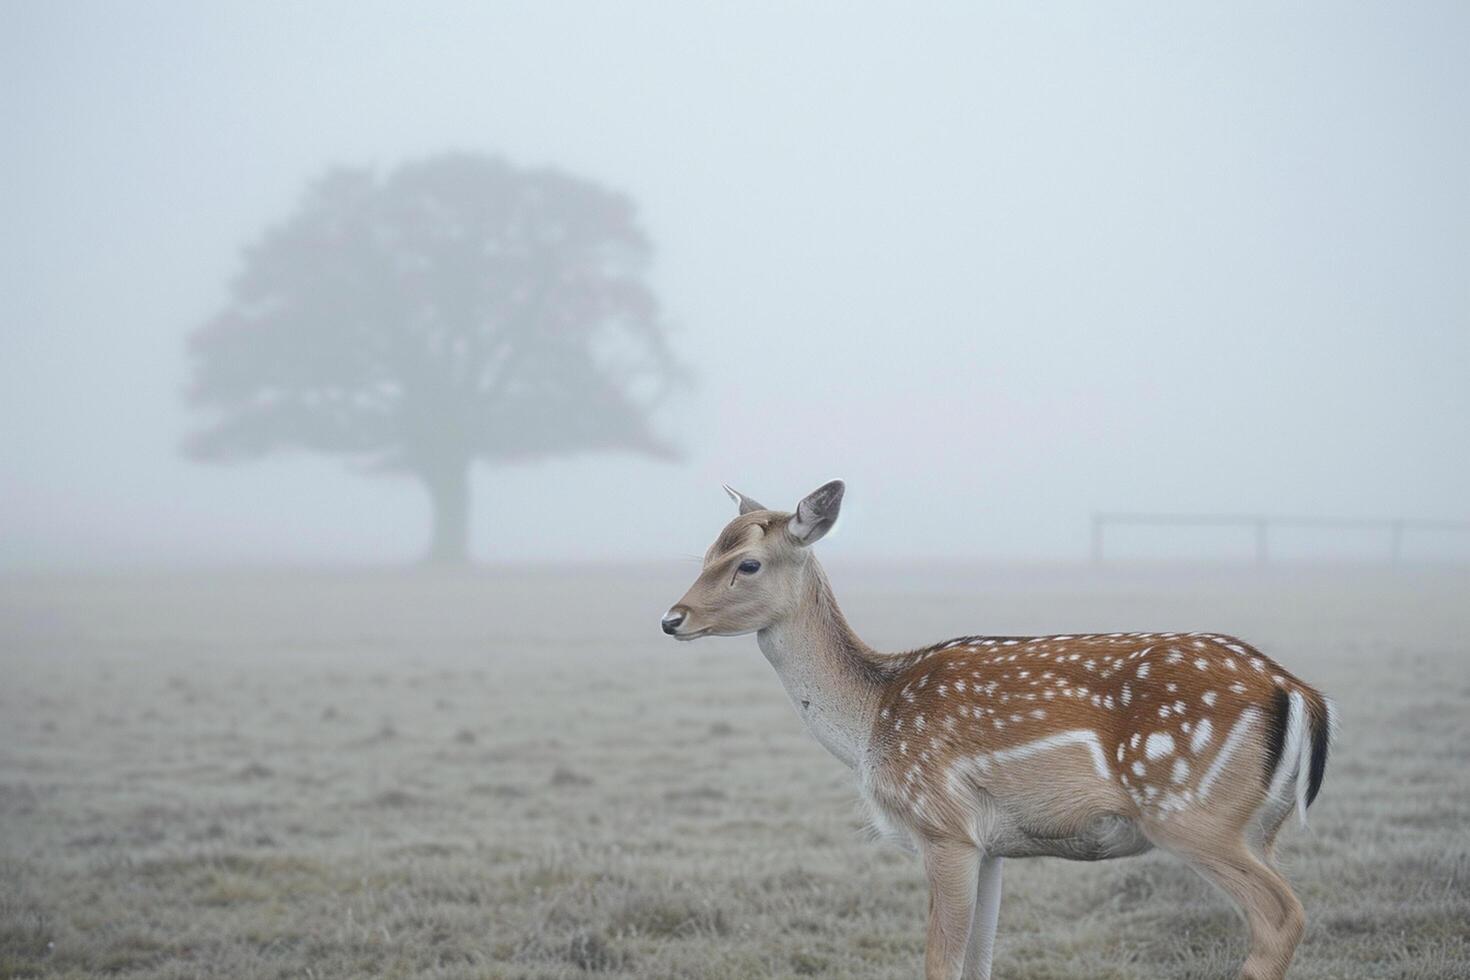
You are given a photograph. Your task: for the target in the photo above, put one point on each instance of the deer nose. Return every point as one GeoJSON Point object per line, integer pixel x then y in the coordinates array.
{"type": "Point", "coordinates": [672, 619]}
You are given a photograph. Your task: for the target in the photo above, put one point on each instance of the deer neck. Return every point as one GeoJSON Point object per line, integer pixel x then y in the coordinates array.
{"type": "Point", "coordinates": [831, 676]}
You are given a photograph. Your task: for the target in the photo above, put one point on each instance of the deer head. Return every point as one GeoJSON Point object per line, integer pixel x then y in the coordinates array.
{"type": "Point", "coordinates": [755, 573]}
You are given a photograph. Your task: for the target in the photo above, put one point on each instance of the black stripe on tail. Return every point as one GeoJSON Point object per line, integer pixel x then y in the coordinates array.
{"type": "Point", "coordinates": [1321, 734]}
{"type": "Point", "coordinates": [1276, 722]}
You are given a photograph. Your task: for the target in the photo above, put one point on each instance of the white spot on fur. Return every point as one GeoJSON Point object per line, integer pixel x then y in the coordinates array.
{"type": "Point", "coordinates": [1209, 698]}
{"type": "Point", "coordinates": [1202, 736]}
{"type": "Point", "coordinates": [1181, 771]}
{"type": "Point", "coordinates": [1143, 670]}
{"type": "Point", "coordinates": [1159, 744]}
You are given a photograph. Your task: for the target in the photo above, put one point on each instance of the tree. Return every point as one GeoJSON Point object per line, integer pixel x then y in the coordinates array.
{"type": "Point", "coordinates": [456, 309]}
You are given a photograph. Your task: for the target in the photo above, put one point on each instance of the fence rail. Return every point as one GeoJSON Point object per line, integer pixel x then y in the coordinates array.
{"type": "Point", "coordinates": [1396, 527]}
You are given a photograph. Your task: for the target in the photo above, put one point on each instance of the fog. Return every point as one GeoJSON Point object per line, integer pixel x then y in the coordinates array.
{"type": "Point", "coordinates": [996, 268]}
{"type": "Point", "coordinates": [369, 373]}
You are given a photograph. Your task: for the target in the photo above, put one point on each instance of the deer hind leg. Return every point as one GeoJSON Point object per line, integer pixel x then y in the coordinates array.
{"type": "Point", "coordinates": [953, 872]}
{"type": "Point", "coordinates": [1265, 838]}
{"type": "Point", "coordinates": [987, 914]}
{"type": "Point", "coordinates": [1271, 909]}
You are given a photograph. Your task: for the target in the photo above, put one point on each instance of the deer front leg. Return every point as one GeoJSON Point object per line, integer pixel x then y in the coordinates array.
{"type": "Point", "coordinates": [987, 912]}
{"type": "Point", "coordinates": [953, 870]}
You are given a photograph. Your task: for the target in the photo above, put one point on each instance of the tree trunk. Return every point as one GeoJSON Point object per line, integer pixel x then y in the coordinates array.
{"type": "Point", "coordinates": [449, 492]}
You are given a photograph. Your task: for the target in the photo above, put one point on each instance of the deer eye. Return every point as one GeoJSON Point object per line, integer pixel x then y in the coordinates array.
{"type": "Point", "coordinates": [749, 566]}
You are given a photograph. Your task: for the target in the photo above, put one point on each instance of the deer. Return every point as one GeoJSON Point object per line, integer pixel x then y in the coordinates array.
{"type": "Point", "coordinates": [982, 748]}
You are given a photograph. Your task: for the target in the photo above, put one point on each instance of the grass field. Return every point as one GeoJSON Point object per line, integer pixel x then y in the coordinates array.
{"type": "Point", "coordinates": [511, 773]}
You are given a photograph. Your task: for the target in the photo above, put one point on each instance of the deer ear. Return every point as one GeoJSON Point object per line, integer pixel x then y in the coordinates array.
{"type": "Point", "coordinates": [745, 504]}
{"type": "Point", "coordinates": [816, 513]}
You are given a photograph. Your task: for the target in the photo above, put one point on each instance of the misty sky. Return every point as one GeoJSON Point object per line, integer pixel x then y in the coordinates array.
{"type": "Point", "coordinates": [995, 268]}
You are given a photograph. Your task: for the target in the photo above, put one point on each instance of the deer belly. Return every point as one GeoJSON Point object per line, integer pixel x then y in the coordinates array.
{"type": "Point", "coordinates": [1102, 836]}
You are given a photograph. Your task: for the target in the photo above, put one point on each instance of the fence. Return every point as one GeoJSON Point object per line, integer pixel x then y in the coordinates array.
{"type": "Point", "coordinates": [1396, 528]}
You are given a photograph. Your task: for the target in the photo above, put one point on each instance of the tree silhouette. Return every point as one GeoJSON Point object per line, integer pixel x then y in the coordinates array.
{"type": "Point", "coordinates": [456, 309]}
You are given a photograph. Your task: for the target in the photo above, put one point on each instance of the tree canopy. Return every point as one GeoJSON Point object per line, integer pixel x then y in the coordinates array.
{"type": "Point", "coordinates": [455, 309]}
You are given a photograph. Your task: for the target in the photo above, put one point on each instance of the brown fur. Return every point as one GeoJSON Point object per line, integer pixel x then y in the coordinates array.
{"type": "Point", "coordinates": [984, 695]}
